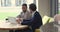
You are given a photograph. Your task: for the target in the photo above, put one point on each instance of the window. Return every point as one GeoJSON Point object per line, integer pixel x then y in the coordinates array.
{"type": "Point", "coordinates": [11, 7]}
{"type": "Point", "coordinates": [18, 2]}
{"type": "Point", "coordinates": [5, 2]}
{"type": "Point", "coordinates": [59, 6]}
{"type": "Point", "coordinates": [32, 1]}
{"type": "Point", "coordinates": [11, 3]}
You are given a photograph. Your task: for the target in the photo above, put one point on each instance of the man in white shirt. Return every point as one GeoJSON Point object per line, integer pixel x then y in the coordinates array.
{"type": "Point", "coordinates": [25, 14]}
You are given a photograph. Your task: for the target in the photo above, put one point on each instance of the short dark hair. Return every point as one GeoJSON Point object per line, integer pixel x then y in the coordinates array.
{"type": "Point", "coordinates": [24, 5]}
{"type": "Point", "coordinates": [32, 7]}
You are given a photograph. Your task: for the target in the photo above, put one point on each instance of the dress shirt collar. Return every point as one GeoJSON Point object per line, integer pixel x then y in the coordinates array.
{"type": "Point", "coordinates": [33, 13]}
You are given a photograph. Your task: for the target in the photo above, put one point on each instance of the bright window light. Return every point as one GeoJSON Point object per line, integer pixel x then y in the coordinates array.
{"type": "Point", "coordinates": [11, 7]}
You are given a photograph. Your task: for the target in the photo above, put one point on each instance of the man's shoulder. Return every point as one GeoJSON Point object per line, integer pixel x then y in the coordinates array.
{"type": "Point", "coordinates": [27, 11]}
{"type": "Point", "coordinates": [21, 12]}
{"type": "Point", "coordinates": [36, 12]}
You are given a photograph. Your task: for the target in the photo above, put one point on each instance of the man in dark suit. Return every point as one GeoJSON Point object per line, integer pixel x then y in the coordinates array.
{"type": "Point", "coordinates": [35, 22]}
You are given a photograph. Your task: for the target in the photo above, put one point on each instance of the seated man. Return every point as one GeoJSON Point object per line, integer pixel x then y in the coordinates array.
{"type": "Point", "coordinates": [52, 26]}
{"type": "Point", "coordinates": [25, 14]}
{"type": "Point", "coordinates": [35, 22]}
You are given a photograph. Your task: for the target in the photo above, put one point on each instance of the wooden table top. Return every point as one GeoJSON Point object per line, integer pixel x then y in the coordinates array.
{"type": "Point", "coordinates": [8, 26]}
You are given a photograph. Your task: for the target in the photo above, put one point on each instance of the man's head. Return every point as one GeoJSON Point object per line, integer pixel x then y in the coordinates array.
{"type": "Point", "coordinates": [32, 7]}
{"type": "Point", "coordinates": [57, 18]}
{"type": "Point", "coordinates": [24, 7]}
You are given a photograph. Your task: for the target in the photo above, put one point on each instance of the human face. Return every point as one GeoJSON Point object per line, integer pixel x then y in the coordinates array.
{"type": "Point", "coordinates": [24, 8]}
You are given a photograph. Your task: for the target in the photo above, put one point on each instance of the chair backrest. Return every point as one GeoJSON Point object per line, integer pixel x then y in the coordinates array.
{"type": "Point", "coordinates": [47, 19]}
{"type": "Point", "coordinates": [51, 20]}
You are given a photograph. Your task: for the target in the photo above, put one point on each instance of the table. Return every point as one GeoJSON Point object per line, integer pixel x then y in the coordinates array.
{"type": "Point", "coordinates": [8, 26]}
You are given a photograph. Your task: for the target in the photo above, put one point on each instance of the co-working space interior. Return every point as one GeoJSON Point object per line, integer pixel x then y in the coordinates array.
{"type": "Point", "coordinates": [46, 8]}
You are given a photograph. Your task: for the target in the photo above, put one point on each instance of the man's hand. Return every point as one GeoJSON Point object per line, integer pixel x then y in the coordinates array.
{"type": "Point", "coordinates": [19, 20]}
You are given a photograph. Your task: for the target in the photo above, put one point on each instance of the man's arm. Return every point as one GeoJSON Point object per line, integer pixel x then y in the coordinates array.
{"type": "Point", "coordinates": [19, 16]}
{"type": "Point", "coordinates": [32, 20]}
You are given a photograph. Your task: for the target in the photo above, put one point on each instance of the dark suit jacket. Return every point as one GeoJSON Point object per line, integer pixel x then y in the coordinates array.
{"type": "Point", "coordinates": [35, 22]}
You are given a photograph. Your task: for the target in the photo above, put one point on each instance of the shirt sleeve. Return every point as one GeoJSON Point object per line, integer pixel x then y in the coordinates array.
{"type": "Point", "coordinates": [19, 16]}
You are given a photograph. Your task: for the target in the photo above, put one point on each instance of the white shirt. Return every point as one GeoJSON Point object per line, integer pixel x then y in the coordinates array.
{"type": "Point", "coordinates": [26, 15]}
{"type": "Point", "coordinates": [33, 13]}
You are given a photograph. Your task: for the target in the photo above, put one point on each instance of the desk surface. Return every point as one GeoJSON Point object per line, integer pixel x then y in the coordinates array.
{"type": "Point", "coordinates": [8, 26]}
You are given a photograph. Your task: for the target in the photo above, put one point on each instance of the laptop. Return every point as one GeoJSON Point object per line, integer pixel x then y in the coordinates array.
{"type": "Point", "coordinates": [12, 20]}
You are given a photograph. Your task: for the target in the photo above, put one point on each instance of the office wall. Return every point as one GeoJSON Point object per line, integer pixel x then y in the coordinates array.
{"type": "Point", "coordinates": [44, 7]}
